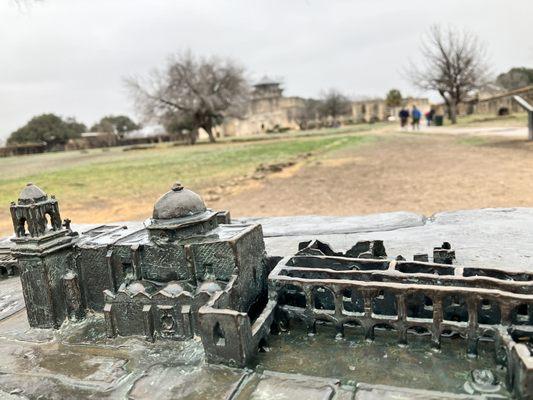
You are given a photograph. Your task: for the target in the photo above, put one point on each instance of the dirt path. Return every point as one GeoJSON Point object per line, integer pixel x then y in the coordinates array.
{"type": "Point", "coordinates": [419, 173]}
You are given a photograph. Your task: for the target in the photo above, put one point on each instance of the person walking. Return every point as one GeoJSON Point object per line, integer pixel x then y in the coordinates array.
{"type": "Point", "coordinates": [415, 117]}
{"type": "Point", "coordinates": [404, 117]}
{"type": "Point", "coordinates": [429, 117]}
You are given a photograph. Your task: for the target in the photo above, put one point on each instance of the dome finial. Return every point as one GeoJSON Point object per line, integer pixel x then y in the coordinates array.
{"type": "Point", "coordinates": [177, 186]}
{"type": "Point", "coordinates": [178, 202]}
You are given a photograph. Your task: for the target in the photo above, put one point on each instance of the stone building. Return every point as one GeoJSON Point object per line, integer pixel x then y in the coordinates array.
{"type": "Point", "coordinates": [376, 110]}
{"type": "Point", "coordinates": [268, 111]}
{"type": "Point", "coordinates": [501, 103]}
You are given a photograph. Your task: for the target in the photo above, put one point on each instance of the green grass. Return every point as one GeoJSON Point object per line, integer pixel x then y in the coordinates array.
{"type": "Point", "coordinates": [489, 120]}
{"type": "Point", "coordinates": [81, 177]}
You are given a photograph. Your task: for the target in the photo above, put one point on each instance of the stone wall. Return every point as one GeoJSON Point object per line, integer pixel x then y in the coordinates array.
{"type": "Point", "coordinates": [498, 104]}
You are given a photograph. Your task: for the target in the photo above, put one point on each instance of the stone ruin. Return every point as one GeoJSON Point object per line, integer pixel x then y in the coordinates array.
{"type": "Point", "coordinates": [189, 271]}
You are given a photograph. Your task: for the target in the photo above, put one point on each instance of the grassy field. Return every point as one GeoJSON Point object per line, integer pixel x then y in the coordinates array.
{"type": "Point", "coordinates": [115, 184]}
{"type": "Point", "coordinates": [486, 120]}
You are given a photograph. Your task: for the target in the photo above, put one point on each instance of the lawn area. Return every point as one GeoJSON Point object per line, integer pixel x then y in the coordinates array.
{"type": "Point", "coordinates": [98, 185]}
{"type": "Point", "coordinates": [491, 120]}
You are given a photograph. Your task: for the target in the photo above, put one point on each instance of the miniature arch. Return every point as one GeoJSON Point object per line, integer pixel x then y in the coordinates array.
{"type": "Point", "coordinates": [292, 295]}
{"type": "Point", "coordinates": [488, 312]}
{"type": "Point", "coordinates": [419, 305]}
{"type": "Point", "coordinates": [384, 303]}
{"type": "Point", "coordinates": [22, 227]}
{"type": "Point", "coordinates": [455, 308]}
{"type": "Point", "coordinates": [323, 298]}
{"type": "Point", "coordinates": [219, 338]}
{"type": "Point", "coordinates": [352, 301]}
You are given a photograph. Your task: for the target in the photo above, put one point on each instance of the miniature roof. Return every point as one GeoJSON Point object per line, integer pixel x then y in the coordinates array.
{"type": "Point", "coordinates": [178, 203]}
{"type": "Point", "coordinates": [31, 193]}
{"type": "Point", "coordinates": [138, 287]}
{"type": "Point", "coordinates": [172, 289]}
{"type": "Point", "coordinates": [209, 287]}
{"type": "Point", "coordinates": [149, 289]}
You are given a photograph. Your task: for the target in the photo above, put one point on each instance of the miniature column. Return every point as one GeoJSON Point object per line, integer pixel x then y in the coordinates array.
{"type": "Point", "coordinates": [339, 327]}
{"type": "Point", "coordinates": [472, 326]}
{"type": "Point", "coordinates": [437, 320]}
{"type": "Point", "coordinates": [74, 304]}
{"type": "Point", "coordinates": [402, 313]}
{"type": "Point", "coordinates": [367, 319]}
{"type": "Point", "coordinates": [310, 305]}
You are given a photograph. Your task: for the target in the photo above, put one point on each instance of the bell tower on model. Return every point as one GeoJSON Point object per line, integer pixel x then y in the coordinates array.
{"type": "Point", "coordinates": [43, 249]}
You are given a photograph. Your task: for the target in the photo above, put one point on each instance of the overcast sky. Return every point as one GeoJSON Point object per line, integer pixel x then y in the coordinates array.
{"type": "Point", "coordinates": [70, 56]}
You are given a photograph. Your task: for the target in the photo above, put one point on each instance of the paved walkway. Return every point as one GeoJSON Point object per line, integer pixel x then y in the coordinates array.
{"type": "Point", "coordinates": [510, 132]}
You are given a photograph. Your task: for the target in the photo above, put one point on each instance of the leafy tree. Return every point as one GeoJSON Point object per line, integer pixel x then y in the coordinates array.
{"type": "Point", "coordinates": [202, 90]}
{"type": "Point", "coordinates": [334, 104]}
{"type": "Point", "coordinates": [48, 128]}
{"type": "Point", "coordinates": [116, 124]}
{"type": "Point", "coordinates": [515, 78]}
{"type": "Point", "coordinates": [454, 65]}
{"type": "Point", "coordinates": [394, 98]}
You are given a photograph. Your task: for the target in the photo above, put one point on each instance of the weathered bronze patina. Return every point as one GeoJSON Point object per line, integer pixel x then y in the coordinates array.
{"type": "Point", "coordinates": [189, 271]}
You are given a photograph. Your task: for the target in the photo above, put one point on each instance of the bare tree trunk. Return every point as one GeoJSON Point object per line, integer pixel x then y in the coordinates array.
{"type": "Point", "coordinates": [209, 131]}
{"type": "Point", "coordinates": [193, 136]}
{"type": "Point", "coordinates": [451, 107]}
{"type": "Point", "coordinates": [453, 111]}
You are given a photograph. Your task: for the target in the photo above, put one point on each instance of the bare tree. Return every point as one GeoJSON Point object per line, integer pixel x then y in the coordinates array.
{"type": "Point", "coordinates": [203, 91]}
{"type": "Point", "coordinates": [307, 114]}
{"type": "Point", "coordinates": [334, 104]}
{"type": "Point", "coordinates": [454, 64]}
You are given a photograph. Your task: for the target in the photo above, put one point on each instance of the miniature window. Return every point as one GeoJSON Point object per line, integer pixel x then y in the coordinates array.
{"type": "Point", "coordinates": [127, 268]}
{"type": "Point", "coordinates": [218, 335]}
{"type": "Point", "coordinates": [323, 298]}
{"type": "Point", "coordinates": [292, 295]}
{"type": "Point", "coordinates": [167, 323]}
{"type": "Point", "coordinates": [488, 312]}
{"type": "Point", "coordinates": [48, 219]}
{"type": "Point", "coordinates": [352, 301]}
{"type": "Point", "coordinates": [419, 306]}
{"type": "Point", "coordinates": [22, 228]}
{"type": "Point", "coordinates": [521, 314]}
{"type": "Point", "coordinates": [384, 303]}
{"type": "Point", "coordinates": [455, 309]}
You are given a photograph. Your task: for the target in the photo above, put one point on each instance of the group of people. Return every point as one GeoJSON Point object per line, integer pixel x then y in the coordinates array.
{"type": "Point", "coordinates": [416, 116]}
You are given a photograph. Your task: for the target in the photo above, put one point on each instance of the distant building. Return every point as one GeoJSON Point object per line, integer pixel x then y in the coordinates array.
{"type": "Point", "coordinates": [499, 103]}
{"type": "Point", "coordinates": [268, 111]}
{"type": "Point", "coordinates": [19, 149]}
{"type": "Point", "coordinates": [375, 110]}
{"type": "Point", "coordinates": [146, 134]}
{"type": "Point", "coordinates": [91, 140]}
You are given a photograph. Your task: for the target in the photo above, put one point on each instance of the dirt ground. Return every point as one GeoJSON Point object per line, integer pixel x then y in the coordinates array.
{"type": "Point", "coordinates": [410, 172]}
{"type": "Point", "coordinates": [391, 171]}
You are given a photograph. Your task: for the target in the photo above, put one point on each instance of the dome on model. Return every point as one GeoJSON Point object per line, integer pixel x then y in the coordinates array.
{"type": "Point", "coordinates": [32, 193]}
{"type": "Point", "coordinates": [178, 203]}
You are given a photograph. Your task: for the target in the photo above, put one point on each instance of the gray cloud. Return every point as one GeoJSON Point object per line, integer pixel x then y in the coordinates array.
{"type": "Point", "coordinates": [69, 56]}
